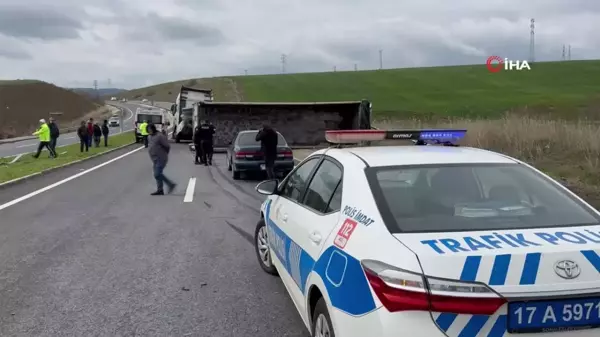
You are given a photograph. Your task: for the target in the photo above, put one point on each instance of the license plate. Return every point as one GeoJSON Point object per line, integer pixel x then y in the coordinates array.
{"type": "Point", "coordinates": [556, 315]}
{"type": "Point", "coordinates": [262, 166]}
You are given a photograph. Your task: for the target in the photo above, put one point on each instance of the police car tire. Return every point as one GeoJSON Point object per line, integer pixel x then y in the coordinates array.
{"type": "Point", "coordinates": [321, 309]}
{"type": "Point", "coordinates": [268, 269]}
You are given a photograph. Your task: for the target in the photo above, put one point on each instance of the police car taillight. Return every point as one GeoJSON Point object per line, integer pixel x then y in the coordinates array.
{"type": "Point", "coordinates": [419, 137]}
{"type": "Point", "coordinates": [400, 290]}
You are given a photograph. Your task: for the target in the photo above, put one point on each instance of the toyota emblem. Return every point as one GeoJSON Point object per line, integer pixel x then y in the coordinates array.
{"type": "Point", "coordinates": [567, 269]}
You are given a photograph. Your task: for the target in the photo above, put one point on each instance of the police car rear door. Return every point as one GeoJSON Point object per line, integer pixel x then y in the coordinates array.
{"type": "Point", "coordinates": [283, 225]}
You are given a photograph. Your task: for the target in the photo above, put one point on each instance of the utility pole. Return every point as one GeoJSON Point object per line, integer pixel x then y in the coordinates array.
{"type": "Point", "coordinates": [334, 69]}
{"type": "Point", "coordinates": [283, 60]}
{"type": "Point", "coordinates": [569, 55]}
{"type": "Point", "coordinates": [96, 88]}
{"type": "Point", "coordinates": [355, 67]}
{"type": "Point", "coordinates": [563, 53]}
{"type": "Point", "coordinates": [532, 41]}
{"type": "Point", "coordinates": [109, 83]}
{"type": "Point", "coordinates": [246, 72]}
{"type": "Point", "coordinates": [380, 59]}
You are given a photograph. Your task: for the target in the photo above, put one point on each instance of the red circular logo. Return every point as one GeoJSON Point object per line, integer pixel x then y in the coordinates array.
{"type": "Point", "coordinates": [494, 67]}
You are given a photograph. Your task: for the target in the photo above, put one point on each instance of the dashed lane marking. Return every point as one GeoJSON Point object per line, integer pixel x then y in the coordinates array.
{"type": "Point", "coordinates": [189, 192]}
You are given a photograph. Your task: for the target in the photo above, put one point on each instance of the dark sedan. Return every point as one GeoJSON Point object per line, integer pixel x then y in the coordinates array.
{"type": "Point", "coordinates": [244, 155]}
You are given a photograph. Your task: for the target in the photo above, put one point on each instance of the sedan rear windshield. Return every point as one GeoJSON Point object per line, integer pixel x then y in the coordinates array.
{"type": "Point", "coordinates": [249, 139]}
{"type": "Point", "coordinates": [440, 198]}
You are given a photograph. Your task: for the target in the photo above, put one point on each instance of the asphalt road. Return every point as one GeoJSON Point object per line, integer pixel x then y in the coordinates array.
{"type": "Point", "coordinates": [30, 145]}
{"type": "Point", "coordinates": [98, 256]}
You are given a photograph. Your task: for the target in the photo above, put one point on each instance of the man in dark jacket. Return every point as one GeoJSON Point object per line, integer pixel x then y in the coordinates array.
{"type": "Point", "coordinates": [54, 133]}
{"type": "Point", "coordinates": [82, 133]}
{"type": "Point", "coordinates": [205, 132]}
{"type": "Point", "coordinates": [268, 143]}
{"type": "Point", "coordinates": [105, 131]}
{"type": "Point", "coordinates": [97, 134]}
{"type": "Point", "coordinates": [158, 149]}
{"type": "Point", "coordinates": [197, 146]}
{"type": "Point", "coordinates": [90, 130]}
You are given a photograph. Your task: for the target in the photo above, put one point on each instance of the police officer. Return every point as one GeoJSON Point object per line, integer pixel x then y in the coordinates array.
{"type": "Point", "coordinates": [198, 145]}
{"type": "Point", "coordinates": [144, 132]}
{"type": "Point", "coordinates": [267, 137]}
{"type": "Point", "coordinates": [205, 135]}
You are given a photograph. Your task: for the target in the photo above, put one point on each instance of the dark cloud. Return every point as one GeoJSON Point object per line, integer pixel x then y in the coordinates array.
{"type": "Point", "coordinates": [14, 53]}
{"type": "Point", "coordinates": [173, 29]}
{"type": "Point", "coordinates": [38, 22]}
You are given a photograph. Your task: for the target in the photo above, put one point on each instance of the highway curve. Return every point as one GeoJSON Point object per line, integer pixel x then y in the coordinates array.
{"type": "Point", "coordinates": [98, 256]}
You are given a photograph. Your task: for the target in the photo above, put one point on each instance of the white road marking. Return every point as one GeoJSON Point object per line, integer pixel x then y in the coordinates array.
{"type": "Point", "coordinates": [26, 145]}
{"type": "Point", "coordinates": [189, 192]}
{"type": "Point", "coordinates": [16, 158]}
{"type": "Point", "coordinates": [58, 183]}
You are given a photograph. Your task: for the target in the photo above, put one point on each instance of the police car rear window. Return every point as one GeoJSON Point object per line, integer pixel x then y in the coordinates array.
{"type": "Point", "coordinates": [249, 138]}
{"type": "Point", "coordinates": [438, 198]}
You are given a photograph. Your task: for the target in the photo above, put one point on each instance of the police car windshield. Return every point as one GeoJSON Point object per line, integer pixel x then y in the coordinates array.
{"type": "Point", "coordinates": [472, 197]}
{"type": "Point", "coordinates": [249, 139]}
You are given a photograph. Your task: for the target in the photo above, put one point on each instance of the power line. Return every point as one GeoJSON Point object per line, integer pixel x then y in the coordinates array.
{"type": "Point", "coordinates": [563, 53]}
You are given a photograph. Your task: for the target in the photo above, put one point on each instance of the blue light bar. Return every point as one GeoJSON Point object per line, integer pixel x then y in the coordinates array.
{"type": "Point", "coordinates": [428, 136]}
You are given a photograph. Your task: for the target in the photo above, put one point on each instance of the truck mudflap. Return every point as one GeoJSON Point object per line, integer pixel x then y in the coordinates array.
{"type": "Point", "coordinates": [302, 124]}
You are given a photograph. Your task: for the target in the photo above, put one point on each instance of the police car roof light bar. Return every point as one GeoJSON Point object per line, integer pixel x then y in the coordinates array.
{"type": "Point", "coordinates": [447, 137]}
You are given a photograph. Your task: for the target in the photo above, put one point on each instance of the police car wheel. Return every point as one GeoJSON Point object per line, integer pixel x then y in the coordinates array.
{"type": "Point", "coordinates": [321, 322]}
{"type": "Point", "coordinates": [261, 246]}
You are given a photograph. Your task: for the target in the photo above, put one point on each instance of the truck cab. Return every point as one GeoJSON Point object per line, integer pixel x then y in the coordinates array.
{"type": "Point", "coordinates": [151, 116]}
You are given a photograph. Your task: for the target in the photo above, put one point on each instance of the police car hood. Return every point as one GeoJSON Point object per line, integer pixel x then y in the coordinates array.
{"type": "Point", "coordinates": [551, 261]}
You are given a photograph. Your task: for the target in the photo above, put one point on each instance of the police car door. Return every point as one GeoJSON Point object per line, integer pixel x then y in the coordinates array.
{"type": "Point", "coordinates": [282, 224]}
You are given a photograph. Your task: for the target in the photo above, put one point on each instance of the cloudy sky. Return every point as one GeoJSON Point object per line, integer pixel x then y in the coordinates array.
{"type": "Point", "coordinates": [137, 43]}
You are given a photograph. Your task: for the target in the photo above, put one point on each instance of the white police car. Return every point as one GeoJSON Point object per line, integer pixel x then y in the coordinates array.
{"type": "Point", "coordinates": [430, 241]}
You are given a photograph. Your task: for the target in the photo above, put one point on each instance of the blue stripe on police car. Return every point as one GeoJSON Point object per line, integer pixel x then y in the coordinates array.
{"type": "Point", "coordinates": [342, 274]}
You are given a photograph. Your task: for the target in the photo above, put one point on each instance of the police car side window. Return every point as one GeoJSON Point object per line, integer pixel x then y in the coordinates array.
{"type": "Point", "coordinates": [335, 204]}
{"type": "Point", "coordinates": [294, 186]}
{"type": "Point", "coordinates": [323, 186]}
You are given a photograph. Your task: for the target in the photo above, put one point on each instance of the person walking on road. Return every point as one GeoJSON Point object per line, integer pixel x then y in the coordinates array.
{"type": "Point", "coordinates": [105, 131]}
{"type": "Point", "coordinates": [158, 149]}
{"type": "Point", "coordinates": [54, 133]}
{"type": "Point", "coordinates": [82, 133]}
{"type": "Point", "coordinates": [97, 134]}
{"type": "Point", "coordinates": [43, 134]}
{"type": "Point", "coordinates": [90, 130]}
{"type": "Point", "coordinates": [268, 143]}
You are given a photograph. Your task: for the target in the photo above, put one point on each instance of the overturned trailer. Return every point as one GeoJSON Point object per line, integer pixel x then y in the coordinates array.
{"type": "Point", "coordinates": [302, 124]}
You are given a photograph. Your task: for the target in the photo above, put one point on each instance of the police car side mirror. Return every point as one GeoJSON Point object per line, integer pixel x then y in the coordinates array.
{"type": "Point", "coordinates": [267, 187]}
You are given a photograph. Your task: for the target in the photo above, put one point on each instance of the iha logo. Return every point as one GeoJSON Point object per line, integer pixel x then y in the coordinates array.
{"type": "Point", "coordinates": [495, 64]}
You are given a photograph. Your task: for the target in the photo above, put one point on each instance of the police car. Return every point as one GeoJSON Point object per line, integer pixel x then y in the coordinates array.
{"type": "Point", "coordinates": [430, 241]}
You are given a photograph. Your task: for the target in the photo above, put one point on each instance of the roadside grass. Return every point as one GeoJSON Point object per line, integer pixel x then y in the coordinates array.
{"type": "Point", "coordinates": [27, 165]}
{"type": "Point", "coordinates": [569, 151]}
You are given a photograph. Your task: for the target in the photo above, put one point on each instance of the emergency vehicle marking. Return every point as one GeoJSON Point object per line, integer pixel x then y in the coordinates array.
{"type": "Point", "coordinates": [593, 257]}
{"type": "Point", "coordinates": [516, 240]}
{"type": "Point", "coordinates": [472, 325]}
{"type": "Point", "coordinates": [343, 235]}
{"type": "Point", "coordinates": [351, 295]}
{"type": "Point", "coordinates": [295, 253]}
{"type": "Point", "coordinates": [358, 215]}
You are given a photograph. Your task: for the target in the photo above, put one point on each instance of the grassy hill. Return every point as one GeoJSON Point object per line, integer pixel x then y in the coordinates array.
{"type": "Point", "coordinates": [570, 89]}
{"type": "Point", "coordinates": [24, 102]}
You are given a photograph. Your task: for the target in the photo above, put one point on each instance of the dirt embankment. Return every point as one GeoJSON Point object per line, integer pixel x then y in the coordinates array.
{"type": "Point", "coordinates": [23, 104]}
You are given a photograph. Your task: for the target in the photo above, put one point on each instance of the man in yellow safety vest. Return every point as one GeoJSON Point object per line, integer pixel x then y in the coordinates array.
{"type": "Point", "coordinates": [43, 134]}
{"type": "Point", "coordinates": [144, 132]}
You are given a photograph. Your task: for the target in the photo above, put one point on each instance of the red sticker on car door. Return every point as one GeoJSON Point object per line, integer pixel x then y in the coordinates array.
{"type": "Point", "coordinates": [343, 235]}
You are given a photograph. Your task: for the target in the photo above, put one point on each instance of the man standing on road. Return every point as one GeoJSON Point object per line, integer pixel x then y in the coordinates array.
{"type": "Point", "coordinates": [82, 133]}
{"type": "Point", "coordinates": [198, 146]}
{"type": "Point", "coordinates": [54, 133]}
{"type": "Point", "coordinates": [158, 149]}
{"type": "Point", "coordinates": [268, 143]}
{"type": "Point", "coordinates": [105, 132]}
{"type": "Point", "coordinates": [43, 134]}
{"type": "Point", "coordinates": [206, 132]}
{"type": "Point", "coordinates": [97, 134]}
{"type": "Point", "coordinates": [144, 132]}
{"type": "Point", "coordinates": [90, 130]}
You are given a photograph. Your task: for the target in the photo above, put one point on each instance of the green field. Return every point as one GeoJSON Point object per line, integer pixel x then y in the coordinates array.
{"type": "Point", "coordinates": [27, 165]}
{"type": "Point", "coordinates": [569, 89]}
